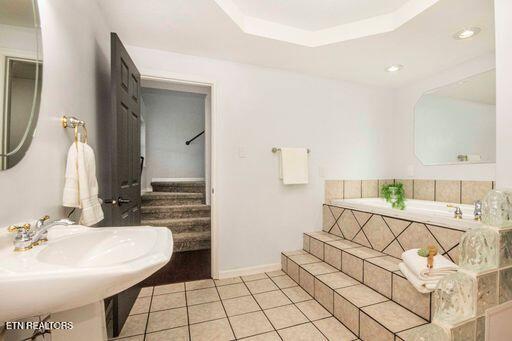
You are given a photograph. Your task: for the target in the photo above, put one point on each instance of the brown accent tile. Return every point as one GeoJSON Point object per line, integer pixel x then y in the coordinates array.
{"type": "Point", "coordinates": [318, 268]}
{"type": "Point", "coordinates": [348, 224]}
{"type": "Point", "coordinates": [284, 281]}
{"type": "Point", "coordinates": [307, 282]}
{"type": "Point", "coordinates": [377, 279]}
{"type": "Point", "coordinates": [233, 290]}
{"type": "Point", "coordinates": [316, 248]}
{"type": "Point", "coordinates": [334, 330]}
{"type": "Point", "coordinates": [327, 218]}
{"type": "Point", "coordinates": [203, 296]}
{"type": "Point", "coordinates": [175, 334]}
{"type": "Point", "coordinates": [333, 190]}
{"type": "Point", "coordinates": [474, 190]}
{"type": "Point", "coordinates": [286, 316]}
{"type": "Point", "coordinates": [424, 189]}
{"type": "Point", "coordinates": [305, 242]}
{"type": "Point", "coordinates": [250, 324]}
{"type": "Point", "coordinates": [134, 325]}
{"type": "Point", "coordinates": [417, 236]}
{"type": "Point", "coordinates": [448, 191]}
{"type": "Point", "coordinates": [240, 305]}
{"type": "Point", "coordinates": [254, 277]}
{"type": "Point", "coordinates": [383, 182]}
{"type": "Point", "coordinates": [408, 187]}
{"type": "Point", "coordinates": [141, 305]}
{"type": "Point", "coordinates": [370, 188]}
{"type": "Point", "coordinates": [262, 285]}
{"type": "Point", "coordinates": [465, 332]}
{"type": "Point", "coordinates": [361, 217]}
{"type": "Point", "coordinates": [332, 256]}
{"type": "Point", "coordinates": [205, 312]}
{"type": "Point", "coordinates": [407, 296]}
{"type": "Point", "coordinates": [168, 301]}
{"type": "Point", "coordinates": [346, 312]}
{"type": "Point", "coordinates": [297, 294]}
{"type": "Point", "coordinates": [392, 316]}
{"type": "Point", "coordinates": [145, 292]}
{"type": "Point", "coordinates": [232, 280]}
{"type": "Point", "coordinates": [352, 266]}
{"type": "Point", "coordinates": [167, 319]}
{"type": "Point", "coordinates": [487, 292]}
{"type": "Point", "coordinates": [324, 295]}
{"type": "Point", "coordinates": [272, 299]}
{"type": "Point", "coordinates": [169, 288]}
{"type": "Point", "coordinates": [303, 332]}
{"type": "Point", "coordinates": [378, 233]}
{"type": "Point", "coordinates": [337, 280]}
{"type": "Point", "coordinates": [352, 189]}
{"type": "Point", "coordinates": [201, 284]}
{"type": "Point", "coordinates": [212, 330]}
{"type": "Point", "coordinates": [371, 330]}
{"type": "Point", "coordinates": [313, 310]}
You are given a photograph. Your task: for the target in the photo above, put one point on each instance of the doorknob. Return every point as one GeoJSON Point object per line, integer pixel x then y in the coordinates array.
{"type": "Point", "coordinates": [119, 201]}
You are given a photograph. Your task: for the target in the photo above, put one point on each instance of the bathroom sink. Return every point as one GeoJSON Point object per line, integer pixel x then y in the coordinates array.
{"type": "Point", "coordinates": [77, 266]}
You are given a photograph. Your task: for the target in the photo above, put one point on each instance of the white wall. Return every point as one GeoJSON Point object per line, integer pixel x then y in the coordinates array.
{"type": "Point", "coordinates": [346, 126]}
{"type": "Point", "coordinates": [76, 78]}
{"type": "Point", "coordinates": [173, 117]}
{"type": "Point", "coordinates": [406, 164]}
{"type": "Point", "coordinates": [503, 15]}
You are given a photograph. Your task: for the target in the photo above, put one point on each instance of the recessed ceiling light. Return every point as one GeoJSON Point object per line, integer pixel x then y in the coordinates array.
{"type": "Point", "coordinates": [467, 33]}
{"type": "Point", "coordinates": [394, 68]}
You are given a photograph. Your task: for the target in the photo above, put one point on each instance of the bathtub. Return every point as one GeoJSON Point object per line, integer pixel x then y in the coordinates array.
{"type": "Point", "coordinates": [430, 212]}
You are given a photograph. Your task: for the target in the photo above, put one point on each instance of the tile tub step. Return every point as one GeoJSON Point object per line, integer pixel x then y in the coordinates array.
{"type": "Point", "coordinates": [181, 225]}
{"type": "Point", "coordinates": [373, 268]}
{"type": "Point", "coordinates": [171, 199]}
{"type": "Point", "coordinates": [175, 212]}
{"type": "Point", "coordinates": [367, 313]}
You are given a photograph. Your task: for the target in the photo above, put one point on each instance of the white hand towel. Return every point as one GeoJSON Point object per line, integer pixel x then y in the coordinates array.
{"type": "Point", "coordinates": [418, 265]}
{"type": "Point", "coordinates": [81, 185]}
{"type": "Point", "coordinates": [294, 166]}
{"type": "Point", "coordinates": [422, 286]}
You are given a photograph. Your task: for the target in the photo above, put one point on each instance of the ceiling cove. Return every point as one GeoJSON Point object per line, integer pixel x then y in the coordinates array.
{"type": "Point", "coordinates": [305, 36]}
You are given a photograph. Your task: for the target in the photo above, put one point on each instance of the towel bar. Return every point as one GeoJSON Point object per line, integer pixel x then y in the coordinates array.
{"type": "Point", "coordinates": [275, 150]}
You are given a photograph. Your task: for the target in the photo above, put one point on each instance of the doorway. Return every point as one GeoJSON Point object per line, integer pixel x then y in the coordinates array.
{"type": "Point", "coordinates": [176, 172]}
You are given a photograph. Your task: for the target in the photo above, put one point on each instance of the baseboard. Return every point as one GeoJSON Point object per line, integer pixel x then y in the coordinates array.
{"type": "Point", "coordinates": [176, 179]}
{"type": "Point", "coordinates": [249, 270]}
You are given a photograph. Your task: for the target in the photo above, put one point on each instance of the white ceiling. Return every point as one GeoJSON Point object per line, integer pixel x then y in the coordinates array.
{"type": "Point", "coordinates": [424, 45]}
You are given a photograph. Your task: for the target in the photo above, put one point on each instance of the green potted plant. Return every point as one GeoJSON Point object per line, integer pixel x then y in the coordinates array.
{"type": "Point", "coordinates": [394, 194]}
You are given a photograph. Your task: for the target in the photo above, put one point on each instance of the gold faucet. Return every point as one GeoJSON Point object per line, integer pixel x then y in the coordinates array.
{"type": "Point", "coordinates": [457, 214]}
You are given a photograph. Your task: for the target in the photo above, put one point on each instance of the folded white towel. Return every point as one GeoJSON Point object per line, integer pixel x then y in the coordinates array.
{"type": "Point", "coordinates": [422, 286]}
{"type": "Point", "coordinates": [81, 185]}
{"type": "Point", "coordinates": [418, 265]}
{"type": "Point", "coordinates": [294, 166]}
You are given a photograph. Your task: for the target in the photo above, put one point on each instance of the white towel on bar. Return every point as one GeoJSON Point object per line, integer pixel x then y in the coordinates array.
{"type": "Point", "coordinates": [293, 169]}
{"type": "Point", "coordinates": [81, 185]}
{"type": "Point", "coordinates": [420, 285]}
{"type": "Point", "coordinates": [418, 265]}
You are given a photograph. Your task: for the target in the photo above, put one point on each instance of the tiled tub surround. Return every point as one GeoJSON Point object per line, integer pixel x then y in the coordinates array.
{"type": "Point", "coordinates": [454, 191]}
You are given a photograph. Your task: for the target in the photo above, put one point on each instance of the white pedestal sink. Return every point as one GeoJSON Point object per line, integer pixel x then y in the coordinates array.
{"type": "Point", "coordinates": [78, 266]}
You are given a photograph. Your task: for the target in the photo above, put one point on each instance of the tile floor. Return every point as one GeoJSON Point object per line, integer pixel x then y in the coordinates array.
{"type": "Point", "coordinates": [267, 306]}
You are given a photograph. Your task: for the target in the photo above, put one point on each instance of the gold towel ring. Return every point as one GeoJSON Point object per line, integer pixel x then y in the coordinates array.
{"type": "Point", "coordinates": [84, 129]}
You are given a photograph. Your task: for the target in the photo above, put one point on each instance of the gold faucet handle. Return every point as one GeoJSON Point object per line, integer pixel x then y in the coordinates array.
{"type": "Point", "coordinates": [44, 218]}
{"type": "Point", "coordinates": [17, 228]}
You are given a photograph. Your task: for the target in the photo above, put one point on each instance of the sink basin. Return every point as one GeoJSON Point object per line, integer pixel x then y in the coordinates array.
{"type": "Point", "coordinates": [77, 266]}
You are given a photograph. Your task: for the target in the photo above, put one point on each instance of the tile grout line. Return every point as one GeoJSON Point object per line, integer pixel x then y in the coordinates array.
{"type": "Point", "coordinates": [225, 312]}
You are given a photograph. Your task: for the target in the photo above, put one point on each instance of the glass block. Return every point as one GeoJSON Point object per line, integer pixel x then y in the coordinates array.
{"type": "Point", "coordinates": [479, 249]}
{"type": "Point", "coordinates": [496, 209]}
{"type": "Point", "coordinates": [454, 298]}
{"type": "Point", "coordinates": [428, 332]}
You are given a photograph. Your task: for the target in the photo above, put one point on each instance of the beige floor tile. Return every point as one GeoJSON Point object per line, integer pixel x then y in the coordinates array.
{"type": "Point", "coordinates": [272, 299]}
{"type": "Point", "coordinates": [201, 284]}
{"type": "Point", "coordinates": [271, 336]}
{"type": "Point", "coordinates": [337, 280]}
{"type": "Point", "coordinates": [169, 288]}
{"type": "Point", "coordinates": [361, 295]}
{"type": "Point", "coordinates": [284, 281]}
{"type": "Point", "coordinates": [129, 338]}
{"type": "Point", "coordinates": [217, 330]}
{"type": "Point", "coordinates": [294, 252]}
{"type": "Point", "coordinates": [250, 324]}
{"type": "Point", "coordinates": [371, 330]}
{"type": "Point", "coordinates": [364, 252]}
{"type": "Point", "coordinates": [343, 244]}
{"type": "Point", "coordinates": [202, 296]}
{"type": "Point", "coordinates": [205, 312]}
{"type": "Point", "coordinates": [352, 266]}
{"type": "Point", "coordinates": [305, 259]}
{"type": "Point", "coordinates": [307, 281]}
{"type": "Point", "coordinates": [240, 305]}
{"type": "Point", "coordinates": [261, 285]}
{"type": "Point", "coordinates": [233, 290]}
{"type": "Point", "coordinates": [334, 330]}
{"type": "Point", "coordinates": [168, 301]}
{"type": "Point", "coordinates": [313, 310]}
{"type": "Point", "coordinates": [388, 262]}
{"type": "Point", "coordinates": [285, 316]}
{"type": "Point", "coordinates": [134, 325]}
{"type": "Point", "coordinates": [347, 313]}
{"type": "Point", "coordinates": [147, 291]}
{"type": "Point", "coordinates": [319, 268]}
{"type": "Point", "coordinates": [167, 319]}
{"type": "Point", "coordinates": [141, 305]}
{"type": "Point", "coordinates": [392, 316]}
{"type": "Point", "coordinates": [226, 281]}
{"type": "Point", "coordinates": [324, 295]}
{"type": "Point", "coordinates": [297, 294]}
{"type": "Point", "coordinates": [175, 334]}
{"type": "Point", "coordinates": [303, 332]}
{"type": "Point", "coordinates": [275, 273]}
{"type": "Point", "coordinates": [254, 277]}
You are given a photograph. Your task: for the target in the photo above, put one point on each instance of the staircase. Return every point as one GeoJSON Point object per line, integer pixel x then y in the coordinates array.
{"type": "Point", "coordinates": [179, 206]}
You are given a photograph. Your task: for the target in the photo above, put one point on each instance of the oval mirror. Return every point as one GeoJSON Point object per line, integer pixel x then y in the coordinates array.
{"type": "Point", "coordinates": [21, 70]}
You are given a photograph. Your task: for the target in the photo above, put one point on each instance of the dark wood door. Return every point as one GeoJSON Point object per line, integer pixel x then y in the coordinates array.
{"type": "Point", "coordinates": [125, 159]}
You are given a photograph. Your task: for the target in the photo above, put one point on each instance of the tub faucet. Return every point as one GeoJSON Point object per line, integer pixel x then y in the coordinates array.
{"type": "Point", "coordinates": [457, 214]}
{"type": "Point", "coordinates": [478, 210]}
